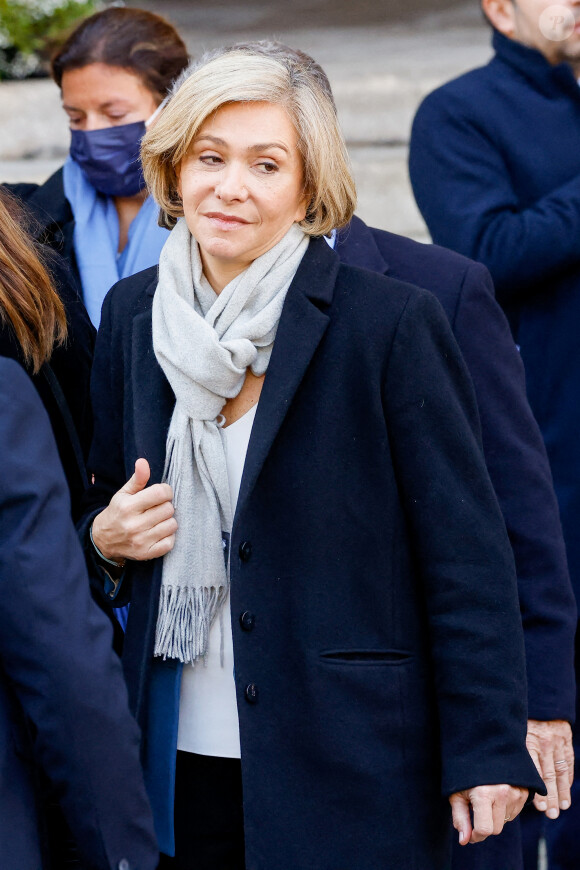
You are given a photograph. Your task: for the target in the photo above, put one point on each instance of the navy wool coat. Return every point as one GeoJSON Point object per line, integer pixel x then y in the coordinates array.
{"type": "Point", "coordinates": [514, 452]}
{"type": "Point", "coordinates": [385, 666]}
{"type": "Point", "coordinates": [52, 212]}
{"type": "Point", "coordinates": [495, 167]}
{"type": "Point", "coordinates": [64, 384]}
{"type": "Point", "coordinates": [66, 735]}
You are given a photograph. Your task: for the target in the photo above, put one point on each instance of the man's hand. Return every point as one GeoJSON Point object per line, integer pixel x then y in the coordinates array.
{"type": "Point", "coordinates": [550, 745]}
{"type": "Point", "coordinates": [138, 523]}
{"type": "Point", "coordinates": [492, 806]}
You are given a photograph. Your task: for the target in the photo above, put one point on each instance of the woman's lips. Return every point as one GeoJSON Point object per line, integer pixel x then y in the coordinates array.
{"type": "Point", "coordinates": [226, 221]}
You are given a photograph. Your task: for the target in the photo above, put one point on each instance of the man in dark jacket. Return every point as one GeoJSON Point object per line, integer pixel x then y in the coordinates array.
{"type": "Point", "coordinates": [66, 735]}
{"type": "Point", "coordinates": [495, 167]}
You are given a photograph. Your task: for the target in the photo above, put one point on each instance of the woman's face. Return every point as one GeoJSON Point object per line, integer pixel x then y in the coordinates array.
{"type": "Point", "coordinates": [98, 96]}
{"type": "Point", "coordinates": [242, 186]}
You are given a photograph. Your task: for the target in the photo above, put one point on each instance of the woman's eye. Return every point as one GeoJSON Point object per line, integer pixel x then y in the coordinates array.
{"type": "Point", "coordinates": [210, 159]}
{"type": "Point", "coordinates": [267, 167]}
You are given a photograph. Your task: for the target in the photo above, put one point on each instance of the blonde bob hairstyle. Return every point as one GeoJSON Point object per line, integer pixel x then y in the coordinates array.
{"type": "Point", "coordinates": [239, 76]}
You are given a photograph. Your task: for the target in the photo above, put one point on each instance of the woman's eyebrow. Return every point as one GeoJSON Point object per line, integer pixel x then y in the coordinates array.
{"type": "Point", "coordinates": [260, 146]}
{"type": "Point", "coordinates": [265, 146]}
{"type": "Point", "coordinates": [116, 101]}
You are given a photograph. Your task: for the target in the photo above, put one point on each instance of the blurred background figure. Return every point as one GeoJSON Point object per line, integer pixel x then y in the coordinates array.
{"type": "Point", "coordinates": [113, 71]}
{"type": "Point", "coordinates": [45, 327]}
{"type": "Point", "coordinates": [495, 167]}
{"type": "Point", "coordinates": [66, 735]}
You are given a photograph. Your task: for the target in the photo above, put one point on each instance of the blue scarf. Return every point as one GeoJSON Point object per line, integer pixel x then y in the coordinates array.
{"type": "Point", "coordinates": [96, 239]}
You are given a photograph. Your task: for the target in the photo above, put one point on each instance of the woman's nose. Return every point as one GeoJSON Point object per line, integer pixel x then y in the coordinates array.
{"type": "Point", "coordinates": [231, 184]}
{"type": "Point", "coordinates": [95, 121]}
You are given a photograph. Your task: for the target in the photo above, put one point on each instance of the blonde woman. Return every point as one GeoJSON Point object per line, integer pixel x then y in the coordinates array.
{"type": "Point", "coordinates": [324, 641]}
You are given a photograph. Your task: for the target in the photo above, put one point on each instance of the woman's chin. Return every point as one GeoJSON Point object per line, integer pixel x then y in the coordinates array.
{"type": "Point", "coordinates": [223, 255]}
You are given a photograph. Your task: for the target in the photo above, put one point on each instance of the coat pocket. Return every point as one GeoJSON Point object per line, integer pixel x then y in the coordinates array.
{"type": "Point", "coordinates": [366, 656]}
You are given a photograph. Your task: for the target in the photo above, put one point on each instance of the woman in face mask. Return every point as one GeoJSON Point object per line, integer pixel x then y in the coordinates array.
{"type": "Point", "coordinates": [114, 72]}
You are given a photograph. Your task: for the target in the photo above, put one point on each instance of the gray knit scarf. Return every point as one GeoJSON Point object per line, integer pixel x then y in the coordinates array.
{"type": "Point", "coordinates": [204, 343]}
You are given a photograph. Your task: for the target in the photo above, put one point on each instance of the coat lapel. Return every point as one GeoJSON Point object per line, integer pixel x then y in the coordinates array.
{"type": "Point", "coordinates": [153, 398]}
{"type": "Point", "coordinates": [302, 325]}
{"type": "Point", "coordinates": [356, 246]}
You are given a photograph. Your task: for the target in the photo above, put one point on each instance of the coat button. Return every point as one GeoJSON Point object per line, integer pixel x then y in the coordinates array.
{"type": "Point", "coordinates": [245, 551]}
{"type": "Point", "coordinates": [251, 693]}
{"type": "Point", "coordinates": [247, 620]}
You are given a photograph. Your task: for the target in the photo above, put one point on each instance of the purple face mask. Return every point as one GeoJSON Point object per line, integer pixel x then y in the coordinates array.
{"type": "Point", "coordinates": [110, 158]}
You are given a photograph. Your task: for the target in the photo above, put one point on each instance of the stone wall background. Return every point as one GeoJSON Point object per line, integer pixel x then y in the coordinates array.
{"type": "Point", "coordinates": [381, 56]}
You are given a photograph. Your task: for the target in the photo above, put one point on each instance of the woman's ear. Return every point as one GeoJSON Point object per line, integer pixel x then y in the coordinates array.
{"type": "Point", "coordinates": [303, 207]}
{"type": "Point", "coordinates": [501, 15]}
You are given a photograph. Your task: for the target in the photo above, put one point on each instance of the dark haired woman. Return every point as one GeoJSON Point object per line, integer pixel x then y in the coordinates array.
{"type": "Point", "coordinates": [114, 71]}
{"type": "Point", "coordinates": [44, 326]}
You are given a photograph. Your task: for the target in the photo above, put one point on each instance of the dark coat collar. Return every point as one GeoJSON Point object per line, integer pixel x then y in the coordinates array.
{"type": "Point", "coordinates": [532, 64]}
{"type": "Point", "coordinates": [356, 246]}
{"type": "Point", "coordinates": [49, 203]}
{"type": "Point", "coordinates": [302, 325]}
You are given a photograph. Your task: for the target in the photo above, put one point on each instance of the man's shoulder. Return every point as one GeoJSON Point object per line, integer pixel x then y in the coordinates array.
{"type": "Point", "coordinates": [432, 267]}
{"type": "Point", "coordinates": [442, 272]}
{"type": "Point", "coordinates": [408, 255]}
{"type": "Point", "coordinates": [463, 90]}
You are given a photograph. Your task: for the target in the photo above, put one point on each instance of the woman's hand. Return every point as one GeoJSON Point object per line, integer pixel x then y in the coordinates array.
{"type": "Point", "coordinates": [550, 745]}
{"type": "Point", "coordinates": [492, 806]}
{"type": "Point", "coordinates": [138, 523]}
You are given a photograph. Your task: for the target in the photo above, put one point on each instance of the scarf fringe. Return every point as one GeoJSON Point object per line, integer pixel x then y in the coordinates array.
{"type": "Point", "coordinates": [184, 621]}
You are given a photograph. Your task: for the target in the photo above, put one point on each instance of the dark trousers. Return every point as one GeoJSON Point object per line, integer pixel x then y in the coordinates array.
{"type": "Point", "coordinates": [209, 822]}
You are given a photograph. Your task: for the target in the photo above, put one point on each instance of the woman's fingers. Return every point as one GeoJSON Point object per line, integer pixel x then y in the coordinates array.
{"type": "Point", "coordinates": [142, 501]}
{"type": "Point", "coordinates": [162, 547]}
{"type": "Point", "coordinates": [158, 539]}
{"type": "Point", "coordinates": [484, 824]}
{"type": "Point", "coordinates": [157, 514]}
{"type": "Point", "coordinates": [461, 816]}
{"type": "Point", "coordinates": [137, 519]}
{"type": "Point", "coordinates": [139, 479]}
{"type": "Point", "coordinates": [492, 807]}
{"type": "Point", "coordinates": [501, 816]}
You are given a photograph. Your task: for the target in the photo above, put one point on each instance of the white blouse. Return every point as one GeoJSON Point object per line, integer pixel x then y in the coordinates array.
{"type": "Point", "coordinates": [208, 712]}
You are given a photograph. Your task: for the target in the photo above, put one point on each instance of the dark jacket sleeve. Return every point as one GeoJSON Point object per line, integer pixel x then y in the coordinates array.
{"type": "Point", "coordinates": [520, 472]}
{"type": "Point", "coordinates": [72, 361]}
{"type": "Point", "coordinates": [463, 556]}
{"type": "Point", "coordinates": [463, 190]}
{"type": "Point", "coordinates": [55, 646]}
{"type": "Point", "coordinates": [106, 462]}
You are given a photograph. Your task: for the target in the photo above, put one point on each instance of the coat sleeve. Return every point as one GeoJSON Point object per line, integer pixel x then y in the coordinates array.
{"type": "Point", "coordinates": [106, 465]}
{"type": "Point", "coordinates": [463, 190]}
{"type": "Point", "coordinates": [463, 555]}
{"type": "Point", "coordinates": [55, 646]}
{"type": "Point", "coordinates": [520, 472]}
